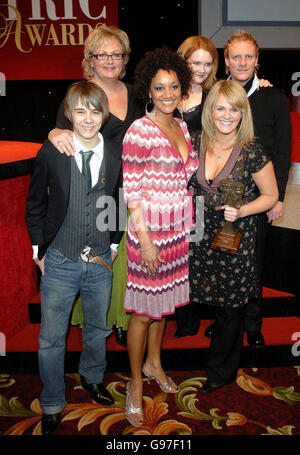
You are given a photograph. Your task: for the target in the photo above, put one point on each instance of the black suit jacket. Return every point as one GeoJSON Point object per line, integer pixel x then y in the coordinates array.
{"type": "Point", "coordinates": [272, 127]}
{"type": "Point", "coordinates": [49, 192]}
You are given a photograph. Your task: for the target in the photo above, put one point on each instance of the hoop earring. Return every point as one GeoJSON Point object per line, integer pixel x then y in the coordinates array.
{"type": "Point", "coordinates": [152, 112]}
{"type": "Point", "coordinates": [180, 109]}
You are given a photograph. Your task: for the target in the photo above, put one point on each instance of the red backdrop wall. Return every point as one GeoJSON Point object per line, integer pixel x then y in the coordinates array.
{"type": "Point", "coordinates": [43, 39]}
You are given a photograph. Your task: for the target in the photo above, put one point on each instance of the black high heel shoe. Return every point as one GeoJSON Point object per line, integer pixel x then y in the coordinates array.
{"type": "Point", "coordinates": [121, 336]}
{"type": "Point", "coordinates": [209, 331]}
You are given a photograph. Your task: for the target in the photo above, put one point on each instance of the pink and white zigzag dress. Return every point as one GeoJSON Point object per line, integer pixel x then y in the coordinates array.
{"type": "Point", "coordinates": [155, 174]}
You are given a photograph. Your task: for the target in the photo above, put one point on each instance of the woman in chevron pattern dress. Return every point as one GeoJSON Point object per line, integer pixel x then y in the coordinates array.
{"type": "Point", "coordinates": [158, 160]}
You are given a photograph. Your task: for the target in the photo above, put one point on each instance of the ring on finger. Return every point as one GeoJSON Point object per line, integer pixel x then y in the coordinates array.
{"type": "Point", "coordinates": [58, 142]}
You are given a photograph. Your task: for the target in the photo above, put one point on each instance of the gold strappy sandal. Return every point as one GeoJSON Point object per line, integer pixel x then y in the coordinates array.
{"type": "Point", "coordinates": [167, 386]}
{"type": "Point", "coordinates": [131, 410]}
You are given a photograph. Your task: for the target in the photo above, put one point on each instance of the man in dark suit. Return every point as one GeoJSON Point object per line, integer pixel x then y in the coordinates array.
{"type": "Point", "coordinates": [71, 220]}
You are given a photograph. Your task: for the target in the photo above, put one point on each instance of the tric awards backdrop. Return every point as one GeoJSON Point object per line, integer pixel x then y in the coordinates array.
{"type": "Point", "coordinates": [43, 40]}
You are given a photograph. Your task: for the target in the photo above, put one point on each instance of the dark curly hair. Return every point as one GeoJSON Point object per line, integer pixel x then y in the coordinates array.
{"type": "Point", "coordinates": [160, 59]}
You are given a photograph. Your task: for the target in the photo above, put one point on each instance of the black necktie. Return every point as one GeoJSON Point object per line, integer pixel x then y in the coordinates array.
{"type": "Point", "coordinates": [86, 170]}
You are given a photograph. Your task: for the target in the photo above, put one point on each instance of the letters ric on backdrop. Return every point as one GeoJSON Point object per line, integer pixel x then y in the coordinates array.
{"type": "Point", "coordinates": [45, 37]}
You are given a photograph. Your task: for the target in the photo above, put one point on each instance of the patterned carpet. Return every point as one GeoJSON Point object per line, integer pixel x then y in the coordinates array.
{"type": "Point", "coordinates": [264, 401]}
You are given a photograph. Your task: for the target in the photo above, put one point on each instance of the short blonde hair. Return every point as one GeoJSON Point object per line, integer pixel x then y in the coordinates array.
{"type": "Point", "coordinates": [236, 96]}
{"type": "Point", "coordinates": [240, 35]}
{"type": "Point", "coordinates": [194, 43]}
{"type": "Point", "coordinates": [89, 94]}
{"type": "Point", "coordinates": [100, 34]}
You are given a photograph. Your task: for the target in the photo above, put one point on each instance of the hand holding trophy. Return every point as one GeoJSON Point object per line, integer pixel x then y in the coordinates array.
{"type": "Point", "coordinates": [227, 238]}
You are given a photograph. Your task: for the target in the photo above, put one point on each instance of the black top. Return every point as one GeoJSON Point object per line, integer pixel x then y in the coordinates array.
{"type": "Point", "coordinates": [192, 117]}
{"type": "Point", "coordinates": [114, 128]}
{"type": "Point", "coordinates": [272, 127]}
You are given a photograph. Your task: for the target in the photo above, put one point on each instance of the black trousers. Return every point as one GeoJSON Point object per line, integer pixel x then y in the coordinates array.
{"type": "Point", "coordinates": [188, 317]}
{"type": "Point", "coordinates": [226, 344]}
{"type": "Point", "coordinates": [253, 316]}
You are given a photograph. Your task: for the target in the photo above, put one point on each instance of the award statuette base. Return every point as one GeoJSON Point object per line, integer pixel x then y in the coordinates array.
{"type": "Point", "coordinates": [227, 239]}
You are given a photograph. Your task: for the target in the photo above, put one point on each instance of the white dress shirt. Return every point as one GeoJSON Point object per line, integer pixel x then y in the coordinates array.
{"type": "Point", "coordinates": [96, 160]}
{"type": "Point", "coordinates": [254, 86]}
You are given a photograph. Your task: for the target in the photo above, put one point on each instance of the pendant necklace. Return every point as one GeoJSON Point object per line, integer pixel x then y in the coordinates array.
{"type": "Point", "coordinates": [219, 156]}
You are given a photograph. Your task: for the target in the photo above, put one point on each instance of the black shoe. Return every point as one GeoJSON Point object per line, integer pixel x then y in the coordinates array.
{"type": "Point", "coordinates": [209, 331]}
{"type": "Point", "coordinates": [185, 333]}
{"type": "Point", "coordinates": [98, 392]}
{"type": "Point", "coordinates": [255, 339]}
{"type": "Point", "coordinates": [212, 386]}
{"type": "Point", "coordinates": [121, 336]}
{"type": "Point", "coordinates": [50, 422]}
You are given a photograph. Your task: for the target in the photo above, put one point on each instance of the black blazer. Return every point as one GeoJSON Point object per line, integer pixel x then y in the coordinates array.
{"type": "Point", "coordinates": [49, 192]}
